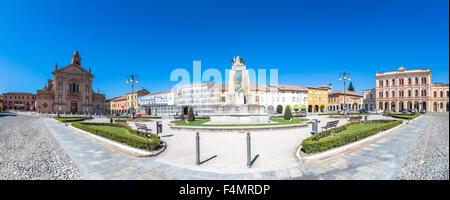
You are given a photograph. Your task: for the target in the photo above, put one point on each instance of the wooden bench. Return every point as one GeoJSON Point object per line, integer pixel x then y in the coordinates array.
{"type": "Point", "coordinates": [122, 121]}
{"type": "Point", "coordinates": [355, 119]}
{"type": "Point", "coordinates": [330, 124]}
{"type": "Point", "coordinates": [143, 127]}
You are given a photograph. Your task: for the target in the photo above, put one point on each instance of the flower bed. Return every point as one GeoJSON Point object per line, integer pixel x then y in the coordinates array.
{"type": "Point", "coordinates": [133, 138]}
{"type": "Point", "coordinates": [346, 134]}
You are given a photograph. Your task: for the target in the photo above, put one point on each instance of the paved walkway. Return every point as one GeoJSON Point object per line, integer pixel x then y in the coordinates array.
{"type": "Point", "coordinates": [380, 160]}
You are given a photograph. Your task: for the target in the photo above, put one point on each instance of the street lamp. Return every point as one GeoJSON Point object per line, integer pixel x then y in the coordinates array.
{"type": "Point", "coordinates": [344, 76]}
{"type": "Point", "coordinates": [133, 79]}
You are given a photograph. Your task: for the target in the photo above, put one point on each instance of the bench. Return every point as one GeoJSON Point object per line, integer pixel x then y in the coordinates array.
{"type": "Point", "coordinates": [355, 119]}
{"type": "Point", "coordinates": [121, 121]}
{"type": "Point", "coordinates": [330, 124]}
{"type": "Point", "coordinates": [143, 127]}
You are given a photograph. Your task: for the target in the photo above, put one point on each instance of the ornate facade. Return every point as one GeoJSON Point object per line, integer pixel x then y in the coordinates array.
{"type": "Point", "coordinates": [410, 89]}
{"type": "Point", "coordinates": [70, 91]}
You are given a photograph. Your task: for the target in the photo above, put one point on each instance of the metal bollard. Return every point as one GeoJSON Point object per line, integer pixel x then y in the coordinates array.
{"type": "Point", "coordinates": [197, 148]}
{"type": "Point", "coordinates": [314, 126]}
{"type": "Point", "coordinates": [249, 153]}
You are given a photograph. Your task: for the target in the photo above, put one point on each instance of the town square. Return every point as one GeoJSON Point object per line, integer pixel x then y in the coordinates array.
{"type": "Point", "coordinates": [168, 105]}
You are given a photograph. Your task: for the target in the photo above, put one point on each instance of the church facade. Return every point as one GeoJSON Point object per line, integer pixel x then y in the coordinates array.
{"type": "Point", "coordinates": [70, 91]}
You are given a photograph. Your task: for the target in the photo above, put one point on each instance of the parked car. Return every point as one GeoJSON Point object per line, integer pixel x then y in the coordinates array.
{"type": "Point", "coordinates": [363, 111]}
{"type": "Point", "coordinates": [404, 111]}
{"type": "Point", "coordinates": [423, 111]}
{"type": "Point", "coordinates": [117, 115]}
{"type": "Point", "coordinates": [414, 111]}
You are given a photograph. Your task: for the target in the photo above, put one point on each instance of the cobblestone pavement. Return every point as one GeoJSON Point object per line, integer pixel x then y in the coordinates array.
{"type": "Point", "coordinates": [28, 151]}
{"type": "Point", "coordinates": [430, 158]}
{"type": "Point", "coordinates": [382, 159]}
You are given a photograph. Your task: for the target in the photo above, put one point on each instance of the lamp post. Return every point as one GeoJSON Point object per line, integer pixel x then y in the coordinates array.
{"type": "Point", "coordinates": [133, 79]}
{"type": "Point", "coordinates": [345, 76]}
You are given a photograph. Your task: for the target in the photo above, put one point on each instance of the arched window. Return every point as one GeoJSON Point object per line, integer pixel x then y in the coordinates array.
{"type": "Point", "coordinates": [442, 94]}
{"type": "Point", "coordinates": [434, 94]}
{"type": "Point", "coordinates": [409, 81]}
{"type": "Point", "coordinates": [387, 94]}
{"type": "Point", "coordinates": [409, 93]}
{"type": "Point", "coordinates": [417, 93]}
{"type": "Point", "coordinates": [417, 80]}
{"type": "Point", "coordinates": [393, 81]}
{"type": "Point", "coordinates": [393, 93]}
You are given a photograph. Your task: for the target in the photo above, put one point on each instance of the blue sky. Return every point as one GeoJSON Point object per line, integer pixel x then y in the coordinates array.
{"type": "Point", "coordinates": [309, 42]}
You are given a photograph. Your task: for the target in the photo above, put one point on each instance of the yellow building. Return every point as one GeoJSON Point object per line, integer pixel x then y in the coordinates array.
{"type": "Point", "coordinates": [133, 96]}
{"type": "Point", "coordinates": [318, 98]}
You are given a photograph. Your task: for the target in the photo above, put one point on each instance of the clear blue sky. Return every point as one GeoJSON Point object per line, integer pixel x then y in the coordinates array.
{"type": "Point", "coordinates": [310, 42]}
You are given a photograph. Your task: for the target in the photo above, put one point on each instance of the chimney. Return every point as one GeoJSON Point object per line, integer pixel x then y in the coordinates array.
{"type": "Point", "coordinates": [331, 86]}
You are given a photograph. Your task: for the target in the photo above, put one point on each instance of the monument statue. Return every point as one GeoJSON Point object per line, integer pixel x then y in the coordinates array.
{"type": "Point", "coordinates": [240, 107]}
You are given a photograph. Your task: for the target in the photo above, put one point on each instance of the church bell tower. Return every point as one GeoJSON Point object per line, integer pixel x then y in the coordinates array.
{"type": "Point", "coordinates": [76, 59]}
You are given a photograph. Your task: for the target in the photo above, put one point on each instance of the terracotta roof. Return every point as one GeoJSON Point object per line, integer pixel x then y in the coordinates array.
{"type": "Point", "coordinates": [155, 93]}
{"type": "Point", "coordinates": [291, 88]}
{"type": "Point", "coordinates": [121, 98]}
{"type": "Point", "coordinates": [137, 91]}
{"type": "Point", "coordinates": [346, 93]}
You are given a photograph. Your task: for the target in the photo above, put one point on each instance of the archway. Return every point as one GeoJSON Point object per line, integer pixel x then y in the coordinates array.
{"type": "Point", "coordinates": [409, 105]}
{"type": "Point", "coordinates": [322, 108]}
{"type": "Point", "coordinates": [447, 106]}
{"type": "Point", "coordinates": [184, 111]}
{"type": "Point", "coordinates": [400, 106]}
{"type": "Point", "coordinates": [270, 108]}
{"type": "Point", "coordinates": [380, 106]}
{"type": "Point", "coordinates": [279, 109]}
{"type": "Point", "coordinates": [434, 107]}
{"type": "Point", "coordinates": [386, 105]}
{"type": "Point", "coordinates": [310, 108]}
{"type": "Point", "coordinates": [424, 106]}
{"type": "Point", "coordinates": [316, 108]}
{"type": "Point", "coordinates": [393, 106]}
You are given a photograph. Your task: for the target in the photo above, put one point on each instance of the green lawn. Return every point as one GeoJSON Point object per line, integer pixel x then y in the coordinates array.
{"type": "Point", "coordinates": [117, 130]}
{"type": "Point", "coordinates": [279, 120]}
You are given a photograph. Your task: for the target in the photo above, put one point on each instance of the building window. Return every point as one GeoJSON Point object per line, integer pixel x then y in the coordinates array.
{"type": "Point", "coordinates": [409, 93]}
{"type": "Point", "coordinates": [393, 82]}
{"type": "Point", "coordinates": [434, 94]}
{"type": "Point", "coordinates": [416, 93]}
{"type": "Point", "coordinates": [409, 81]}
{"type": "Point", "coordinates": [393, 93]}
{"type": "Point", "coordinates": [387, 94]}
{"type": "Point", "coordinates": [417, 81]}
{"type": "Point", "coordinates": [73, 87]}
{"type": "Point", "coordinates": [442, 94]}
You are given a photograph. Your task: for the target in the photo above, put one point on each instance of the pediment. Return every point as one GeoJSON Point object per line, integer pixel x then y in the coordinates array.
{"type": "Point", "coordinates": [74, 69]}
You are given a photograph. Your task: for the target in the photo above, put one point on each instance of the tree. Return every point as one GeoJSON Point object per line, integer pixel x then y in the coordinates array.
{"type": "Point", "coordinates": [350, 87]}
{"type": "Point", "coordinates": [191, 116]}
{"type": "Point", "coordinates": [287, 113]}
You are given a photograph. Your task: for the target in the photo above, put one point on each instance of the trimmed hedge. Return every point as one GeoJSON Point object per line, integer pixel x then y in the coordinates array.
{"type": "Point", "coordinates": [137, 139]}
{"type": "Point", "coordinates": [405, 116]}
{"type": "Point", "coordinates": [339, 136]}
{"type": "Point", "coordinates": [71, 119]}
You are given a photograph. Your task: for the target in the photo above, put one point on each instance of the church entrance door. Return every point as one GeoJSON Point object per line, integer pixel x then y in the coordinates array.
{"type": "Point", "coordinates": [73, 107]}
